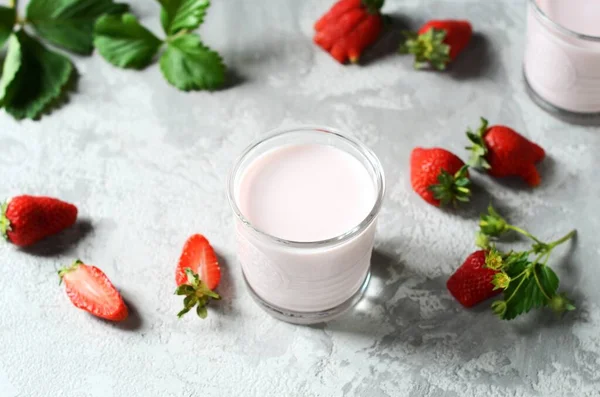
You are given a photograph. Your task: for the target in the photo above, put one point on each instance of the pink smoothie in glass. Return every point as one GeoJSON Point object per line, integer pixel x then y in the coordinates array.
{"type": "Point", "coordinates": [562, 67]}
{"type": "Point", "coordinates": [305, 193]}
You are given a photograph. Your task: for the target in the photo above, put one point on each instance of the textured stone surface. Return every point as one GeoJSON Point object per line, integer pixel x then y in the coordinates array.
{"type": "Point", "coordinates": [147, 166]}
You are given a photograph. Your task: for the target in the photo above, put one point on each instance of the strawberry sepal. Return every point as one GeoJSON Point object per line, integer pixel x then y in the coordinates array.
{"type": "Point", "coordinates": [68, 269]}
{"type": "Point", "coordinates": [428, 47]}
{"type": "Point", "coordinates": [197, 294]}
{"type": "Point", "coordinates": [4, 221]}
{"type": "Point", "coordinates": [373, 6]}
{"type": "Point", "coordinates": [452, 188]}
{"type": "Point", "coordinates": [478, 148]}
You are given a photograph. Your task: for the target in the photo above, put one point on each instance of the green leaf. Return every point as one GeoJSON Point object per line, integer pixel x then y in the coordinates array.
{"type": "Point", "coordinates": [528, 296]}
{"type": "Point", "coordinates": [40, 79]}
{"type": "Point", "coordinates": [524, 293]}
{"type": "Point", "coordinates": [190, 65]}
{"type": "Point", "coordinates": [12, 64]}
{"type": "Point", "coordinates": [177, 15]}
{"type": "Point", "coordinates": [122, 41]}
{"type": "Point", "coordinates": [548, 279]}
{"type": "Point", "coordinates": [70, 23]}
{"type": "Point", "coordinates": [7, 23]}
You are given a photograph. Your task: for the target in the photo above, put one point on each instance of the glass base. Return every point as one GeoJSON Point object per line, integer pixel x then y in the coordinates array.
{"type": "Point", "coordinates": [563, 114]}
{"type": "Point", "coordinates": [306, 318]}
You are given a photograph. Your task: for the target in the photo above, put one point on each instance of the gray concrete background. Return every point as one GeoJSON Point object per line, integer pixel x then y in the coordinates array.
{"type": "Point", "coordinates": [147, 164]}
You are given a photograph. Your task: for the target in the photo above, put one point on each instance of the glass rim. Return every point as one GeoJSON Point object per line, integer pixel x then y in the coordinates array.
{"type": "Point", "coordinates": [362, 149]}
{"type": "Point", "coordinates": [560, 27]}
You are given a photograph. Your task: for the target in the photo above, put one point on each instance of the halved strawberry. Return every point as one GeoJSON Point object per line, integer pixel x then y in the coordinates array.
{"type": "Point", "coordinates": [89, 289]}
{"type": "Point", "coordinates": [197, 274]}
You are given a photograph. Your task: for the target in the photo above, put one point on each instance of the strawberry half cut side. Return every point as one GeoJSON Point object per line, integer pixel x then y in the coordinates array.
{"type": "Point", "coordinates": [89, 289]}
{"type": "Point", "coordinates": [197, 275]}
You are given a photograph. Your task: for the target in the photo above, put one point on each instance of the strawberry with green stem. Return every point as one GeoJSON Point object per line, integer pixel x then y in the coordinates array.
{"type": "Point", "coordinates": [197, 275]}
{"type": "Point", "coordinates": [440, 177]}
{"type": "Point", "coordinates": [525, 284]}
{"type": "Point", "coordinates": [503, 152]}
{"type": "Point", "coordinates": [437, 42]}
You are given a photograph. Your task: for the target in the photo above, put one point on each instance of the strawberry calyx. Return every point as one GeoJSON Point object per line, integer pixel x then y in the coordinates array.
{"type": "Point", "coordinates": [373, 6]}
{"type": "Point", "coordinates": [478, 148]}
{"type": "Point", "coordinates": [68, 269]}
{"type": "Point", "coordinates": [452, 188]}
{"type": "Point", "coordinates": [429, 48]}
{"type": "Point", "coordinates": [196, 294]}
{"type": "Point", "coordinates": [4, 221]}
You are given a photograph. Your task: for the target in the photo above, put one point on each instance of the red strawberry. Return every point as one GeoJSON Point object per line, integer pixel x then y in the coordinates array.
{"type": "Point", "coordinates": [25, 220]}
{"type": "Point", "coordinates": [471, 283]}
{"type": "Point", "coordinates": [348, 28]}
{"type": "Point", "coordinates": [438, 42]}
{"type": "Point", "coordinates": [439, 176]}
{"type": "Point", "coordinates": [89, 289]}
{"type": "Point", "coordinates": [504, 152]}
{"type": "Point", "coordinates": [197, 274]}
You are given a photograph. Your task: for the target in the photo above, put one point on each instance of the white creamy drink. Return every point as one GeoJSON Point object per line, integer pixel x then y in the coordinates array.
{"type": "Point", "coordinates": [562, 56]}
{"type": "Point", "coordinates": [299, 195]}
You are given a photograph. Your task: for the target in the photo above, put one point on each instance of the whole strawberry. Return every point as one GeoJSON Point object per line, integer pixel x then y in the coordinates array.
{"type": "Point", "coordinates": [437, 42]}
{"type": "Point", "coordinates": [504, 152]}
{"type": "Point", "coordinates": [89, 289]}
{"type": "Point", "coordinates": [26, 220]}
{"type": "Point", "coordinates": [439, 176]}
{"type": "Point", "coordinates": [471, 283]}
{"type": "Point", "coordinates": [348, 28]}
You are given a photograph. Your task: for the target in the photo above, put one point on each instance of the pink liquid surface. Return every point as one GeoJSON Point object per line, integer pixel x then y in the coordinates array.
{"type": "Point", "coordinates": [581, 16]}
{"type": "Point", "coordinates": [306, 192]}
{"type": "Point", "coordinates": [562, 68]}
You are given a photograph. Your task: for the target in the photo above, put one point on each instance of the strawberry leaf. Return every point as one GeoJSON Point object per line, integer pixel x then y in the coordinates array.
{"type": "Point", "coordinates": [548, 280]}
{"type": "Point", "coordinates": [41, 77]}
{"type": "Point", "coordinates": [122, 41]}
{"type": "Point", "coordinates": [12, 64]}
{"type": "Point", "coordinates": [7, 22]}
{"type": "Point", "coordinates": [70, 23]}
{"type": "Point", "coordinates": [532, 287]}
{"type": "Point", "coordinates": [190, 65]}
{"type": "Point", "coordinates": [177, 15]}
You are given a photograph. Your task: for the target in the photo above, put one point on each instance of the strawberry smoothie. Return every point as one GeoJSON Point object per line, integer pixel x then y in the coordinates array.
{"type": "Point", "coordinates": [306, 202]}
{"type": "Point", "coordinates": [562, 55]}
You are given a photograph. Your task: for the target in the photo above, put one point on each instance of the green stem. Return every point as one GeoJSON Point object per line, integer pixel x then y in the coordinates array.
{"type": "Point", "coordinates": [561, 240]}
{"type": "Point", "coordinates": [524, 233]}
{"type": "Point", "coordinates": [177, 35]}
